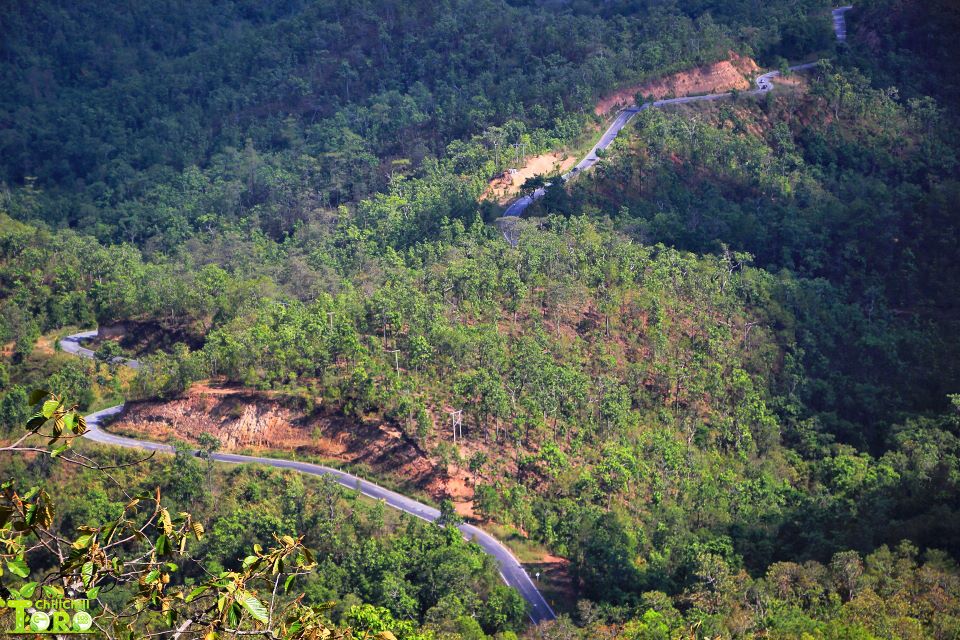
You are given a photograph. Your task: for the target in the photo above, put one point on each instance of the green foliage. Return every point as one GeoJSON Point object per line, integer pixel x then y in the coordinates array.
{"type": "Point", "coordinates": [716, 375]}
{"type": "Point", "coordinates": [606, 564]}
{"type": "Point", "coordinates": [186, 482]}
{"type": "Point", "coordinates": [253, 116]}
{"type": "Point", "coordinates": [133, 557]}
{"type": "Point", "coordinates": [14, 409]}
{"type": "Point", "coordinates": [840, 199]}
{"type": "Point", "coordinates": [448, 515]}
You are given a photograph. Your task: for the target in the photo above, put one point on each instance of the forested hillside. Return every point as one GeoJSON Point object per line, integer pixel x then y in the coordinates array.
{"type": "Point", "coordinates": [715, 378]}
{"type": "Point", "coordinates": [268, 112]}
{"type": "Point", "coordinates": [850, 190]}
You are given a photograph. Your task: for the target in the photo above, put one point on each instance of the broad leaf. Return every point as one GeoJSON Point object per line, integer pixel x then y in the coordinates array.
{"type": "Point", "coordinates": [49, 408]}
{"type": "Point", "coordinates": [253, 606]}
{"type": "Point", "coordinates": [162, 547]}
{"type": "Point", "coordinates": [197, 592]}
{"type": "Point", "coordinates": [83, 541]}
{"type": "Point", "coordinates": [18, 567]}
{"type": "Point", "coordinates": [56, 452]}
{"type": "Point", "coordinates": [86, 573]}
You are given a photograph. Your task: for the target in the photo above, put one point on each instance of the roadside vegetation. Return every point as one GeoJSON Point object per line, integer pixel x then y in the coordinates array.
{"type": "Point", "coordinates": [712, 389]}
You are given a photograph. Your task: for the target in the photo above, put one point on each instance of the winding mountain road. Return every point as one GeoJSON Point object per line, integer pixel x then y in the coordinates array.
{"type": "Point", "coordinates": [510, 569]}
{"type": "Point", "coordinates": [764, 84]}
{"type": "Point", "coordinates": [71, 344]}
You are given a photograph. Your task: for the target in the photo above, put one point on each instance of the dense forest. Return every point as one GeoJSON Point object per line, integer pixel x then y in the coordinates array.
{"type": "Point", "coordinates": [718, 375]}
{"type": "Point", "coordinates": [269, 112]}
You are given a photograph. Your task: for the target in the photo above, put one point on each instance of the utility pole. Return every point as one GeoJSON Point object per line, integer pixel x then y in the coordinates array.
{"type": "Point", "coordinates": [456, 416]}
{"type": "Point", "coordinates": [396, 358]}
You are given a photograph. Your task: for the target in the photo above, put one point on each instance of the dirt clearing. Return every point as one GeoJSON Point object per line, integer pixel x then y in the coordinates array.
{"type": "Point", "coordinates": [503, 188]}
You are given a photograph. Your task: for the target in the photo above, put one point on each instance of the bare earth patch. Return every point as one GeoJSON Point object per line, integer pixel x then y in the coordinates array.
{"type": "Point", "coordinates": [503, 188]}
{"type": "Point", "coordinates": [246, 420]}
{"type": "Point", "coordinates": [458, 486]}
{"type": "Point", "coordinates": [726, 75]}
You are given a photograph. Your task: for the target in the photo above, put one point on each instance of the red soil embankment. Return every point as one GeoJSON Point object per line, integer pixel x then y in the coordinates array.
{"type": "Point", "coordinates": [244, 419]}
{"type": "Point", "coordinates": [726, 75]}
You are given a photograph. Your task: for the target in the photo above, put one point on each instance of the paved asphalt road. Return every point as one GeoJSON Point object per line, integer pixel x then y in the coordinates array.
{"type": "Point", "coordinates": [71, 344]}
{"type": "Point", "coordinates": [764, 84]}
{"type": "Point", "coordinates": [839, 24]}
{"type": "Point", "coordinates": [510, 570]}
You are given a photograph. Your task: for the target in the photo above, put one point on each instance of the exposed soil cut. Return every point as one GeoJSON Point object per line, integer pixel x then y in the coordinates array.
{"type": "Point", "coordinates": [726, 75]}
{"type": "Point", "coordinates": [256, 421]}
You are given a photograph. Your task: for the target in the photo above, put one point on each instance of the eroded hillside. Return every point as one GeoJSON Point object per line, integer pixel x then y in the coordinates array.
{"type": "Point", "coordinates": [248, 420]}
{"type": "Point", "coordinates": [726, 75]}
